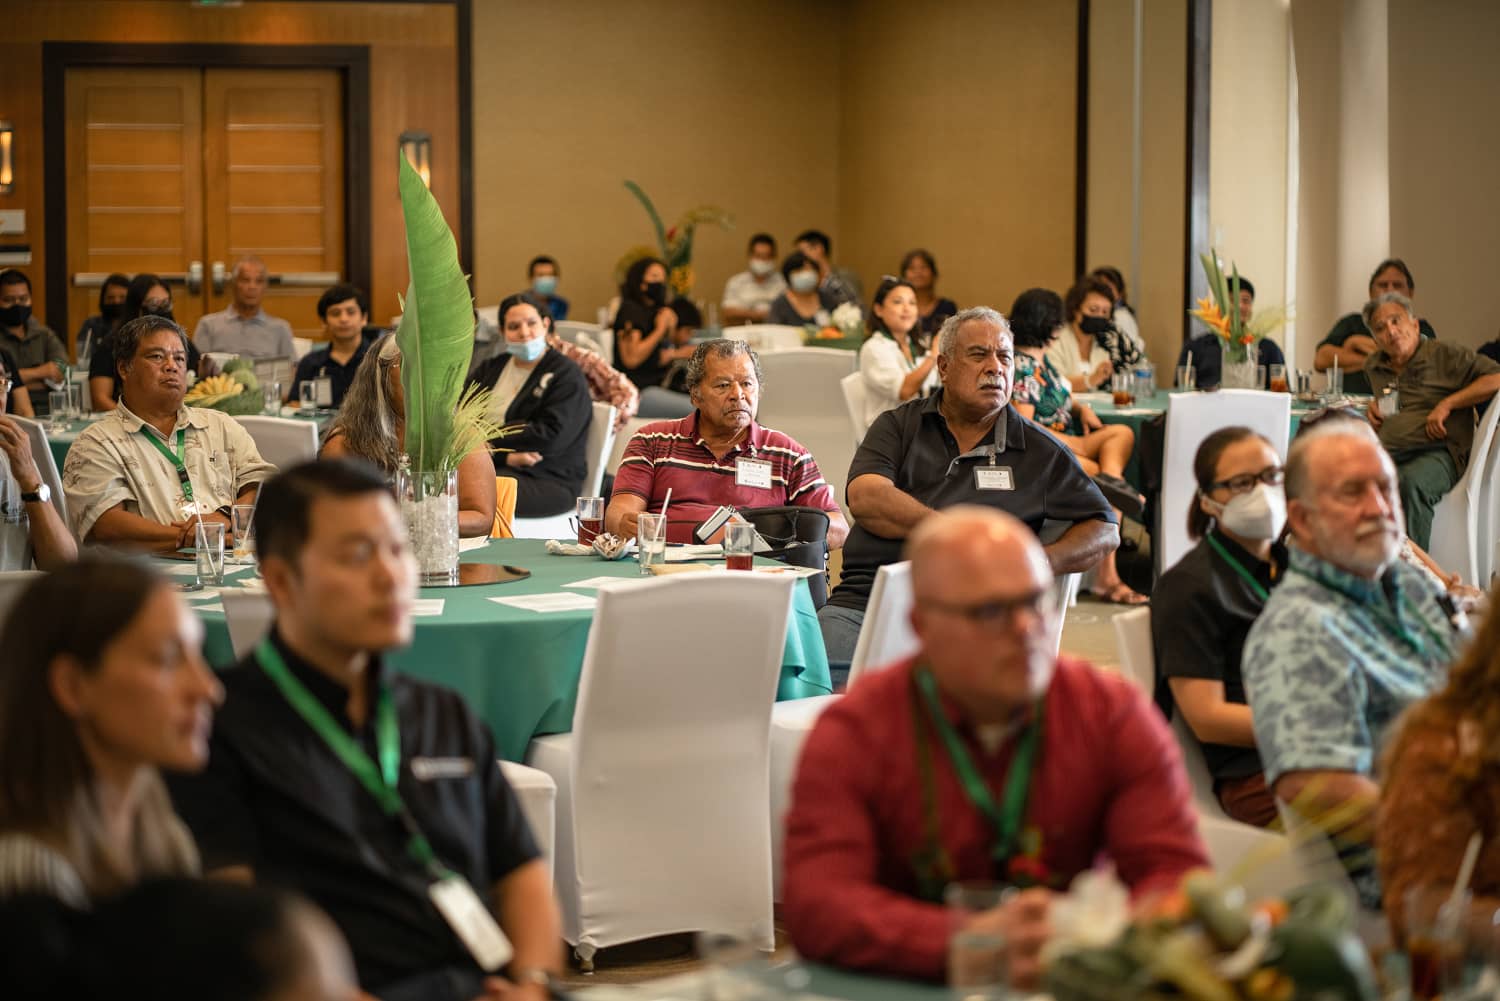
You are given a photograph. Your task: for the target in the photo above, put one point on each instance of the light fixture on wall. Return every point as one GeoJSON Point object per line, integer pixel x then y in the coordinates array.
{"type": "Point", "coordinates": [7, 161]}
{"type": "Point", "coordinates": [417, 148]}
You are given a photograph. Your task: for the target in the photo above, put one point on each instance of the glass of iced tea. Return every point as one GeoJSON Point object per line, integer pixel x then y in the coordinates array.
{"type": "Point", "coordinates": [739, 545]}
{"type": "Point", "coordinates": [1122, 385]}
{"type": "Point", "coordinates": [1278, 379]}
{"type": "Point", "coordinates": [1435, 939]}
{"type": "Point", "coordinates": [590, 519]}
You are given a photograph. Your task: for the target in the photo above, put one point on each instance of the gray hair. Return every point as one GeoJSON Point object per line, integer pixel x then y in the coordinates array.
{"type": "Point", "coordinates": [366, 419]}
{"type": "Point", "coordinates": [723, 347]}
{"type": "Point", "coordinates": [126, 341]}
{"type": "Point", "coordinates": [1299, 465]}
{"type": "Point", "coordinates": [947, 338]}
{"type": "Point", "coordinates": [1368, 313]}
{"type": "Point", "coordinates": [248, 259]}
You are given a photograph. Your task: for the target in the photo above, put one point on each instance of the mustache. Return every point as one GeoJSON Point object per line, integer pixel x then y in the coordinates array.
{"type": "Point", "coordinates": [1375, 526]}
{"type": "Point", "coordinates": [991, 382]}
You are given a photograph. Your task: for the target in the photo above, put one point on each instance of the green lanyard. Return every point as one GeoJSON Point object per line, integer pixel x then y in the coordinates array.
{"type": "Point", "coordinates": [379, 782]}
{"type": "Point", "coordinates": [1007, 820]}
{"type": "Point", "coordinates": [177, 460]}
{"type": "Point", "coordinates": [1392, 619]}
{"type": "Point", "coordinates": [1239, 568]}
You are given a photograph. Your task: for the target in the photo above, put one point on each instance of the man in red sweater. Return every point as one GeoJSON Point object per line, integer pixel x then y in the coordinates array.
{"type": "Point", "coordinates": [985, 757]}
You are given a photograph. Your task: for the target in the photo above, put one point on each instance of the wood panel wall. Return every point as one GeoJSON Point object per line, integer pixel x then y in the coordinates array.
{"type": "Point", "coordinates": [413, 85]}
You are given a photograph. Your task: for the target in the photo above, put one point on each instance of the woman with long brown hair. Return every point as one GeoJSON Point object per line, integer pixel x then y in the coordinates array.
{"type": "Point", "coordinates": [102, 683]}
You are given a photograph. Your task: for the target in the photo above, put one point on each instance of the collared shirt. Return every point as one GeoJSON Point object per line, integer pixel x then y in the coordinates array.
{"type": "Point", "coordinates": [606, 383]}
{"type": "Point", "coordinates": [321, 364]}
{"type": "Point", "coordinates": [1201, 611]}
{"type": "Point", "coordinates": [37, 345]}
{"type": "Point", "coordinates": [112, 462]}
{"type": "Point", "coordinates": [671, 455]}
{"type": "Point", "coordinates": [1435, 370]}
{"type": "Point", "coordinates": [742, 291]}
{"type": "Point", "coordinates": [260, 335]}
{"type": "Point", "coordinates": [1108, 780]}
{"type": "Point", "coordinates": [912, 447]}
{"type": "Point", "coordinates": [275, 797]}
{"type": "Point", "coordinates": [1334, 658]}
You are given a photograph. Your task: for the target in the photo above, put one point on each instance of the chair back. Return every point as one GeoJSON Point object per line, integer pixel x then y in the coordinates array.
{"type": "Point", "coordinates": [12, 583]}
{"type": "Point", "coordinates": [505, 508]}
{"type": "Point", "coordinates": [885, 636]}
{"type": "Point", "coordinates": [800, 398]}
{"type": "Point", "coordinates": [798, 536]}
{"type": "Point", "coordinates": [600, 441]}
{"type": "Point", "coordinates": [300, 347]}
{"type": "Point", "coordinates": [569, 330]}
{"type": "Point", "coordinates": [41, 454]}
{"type": "Point", "coordinates": [673, 720]}
{"type": "Point", "coordinates": [248, 614]}
{"type": "Point", "coordinates": [1192, 417]}
{"type": "Point", "coordinates": [853, 386]}
{"type": "Point", "coordinates": [767, 337]}
{"type": "Point", "coordinates": [1064, 593]}
{"type": "Point", "coordinates": [1462, 526]}
{"type": "Point", "coordinates": [1133, 644]}
{"type": "Point", "coordinates": [1489, 507]}
{"type": "Point", "coordinates": [283, 441]}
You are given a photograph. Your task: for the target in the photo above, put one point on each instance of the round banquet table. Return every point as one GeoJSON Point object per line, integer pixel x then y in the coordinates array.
{"type": "Point", "coordinates": [519, 669]}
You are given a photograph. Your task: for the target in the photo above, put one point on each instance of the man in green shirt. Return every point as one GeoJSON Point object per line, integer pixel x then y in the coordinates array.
{"type": "Point", "coordinates": [1350, 343]}
{"type": "Point", "coordinates": [1428, 427]}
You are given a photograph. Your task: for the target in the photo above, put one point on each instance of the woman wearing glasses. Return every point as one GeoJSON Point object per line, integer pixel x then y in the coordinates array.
{"type": "Point", "coordinates": [1205, 604]}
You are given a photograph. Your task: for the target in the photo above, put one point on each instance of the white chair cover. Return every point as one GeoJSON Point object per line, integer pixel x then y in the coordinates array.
{"type": "Point", "coordinates": [767, 337]}
{"type": "Point", "coordinates": [41, 453]}
{"type": "Point", "coordinates": [12, 583]}
{"type": "Point", "coordinates": [300, 347]}
{"type": "Point", "coordinates": [283, 441]}
{"type": "Point", "coordinates": [601, 441]}
{"type": "Point", "coordinates": [854, 401]}
{"type": "Point", "coordinates": [537, 794]}
{"type": "Point", "coordinates": [1064, 593]}
{"type": "Point", "coordinates": [1462, 514]}
{"type": "Point", "coordinates": [800, 397]}
{"type": "Point", "coordinates": [249, 615]}
{"type": "Point", "coordinates": [1192, 417]}
{"type": "Point", "coordinates": [663, 808]}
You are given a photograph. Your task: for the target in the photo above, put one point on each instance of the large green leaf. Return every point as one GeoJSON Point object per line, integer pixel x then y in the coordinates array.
{"type": "Point", "coordinates": [436, 335]}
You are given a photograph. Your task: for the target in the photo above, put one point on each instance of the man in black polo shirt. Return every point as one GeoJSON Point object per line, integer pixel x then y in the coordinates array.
{"type": "Point", "coordinates": [344, 314]}
{"type": "Point", "coordinates": [377, 796]}
{"type": "Point", "coordinates": [965, 444]}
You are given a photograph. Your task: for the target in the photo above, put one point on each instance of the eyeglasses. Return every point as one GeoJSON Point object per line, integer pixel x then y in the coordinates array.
{"type": "Point", "coordinates": [996, 613]}
{"type": "Point", "coordinates": [1271, 476]}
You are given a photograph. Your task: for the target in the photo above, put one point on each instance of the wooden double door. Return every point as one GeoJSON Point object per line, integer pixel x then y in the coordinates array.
{"type": "Point", "coordinates": [181, 172]}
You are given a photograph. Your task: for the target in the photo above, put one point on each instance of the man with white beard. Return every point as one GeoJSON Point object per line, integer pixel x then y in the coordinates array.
{"type": "Point", "coordinates": [1350, 638]}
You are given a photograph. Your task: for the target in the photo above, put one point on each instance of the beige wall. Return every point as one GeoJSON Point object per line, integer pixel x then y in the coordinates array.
{"type": "Point", "coordinates": [1445, 202]}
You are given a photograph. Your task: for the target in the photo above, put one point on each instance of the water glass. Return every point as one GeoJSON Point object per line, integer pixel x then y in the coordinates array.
{"type": "Point", "coordinates": [1278, 379]}
{"type": "Point", "coordinates": [590, 519]}
{"type": "Point", "coordinates": [271, 393]}
{"type": "Point", "coordinates": [739, 545]}
{"type": "Point", "coordinates": [210, 552]}
{"type": "Point", "coordinates": [1304, 384]}
{"type": "Point", "coordinates": [1335, 388]}
{"type": "Point", "coordinates": [650, 541]}
{"type": "Point", "coordinates": [244, 533]}
{"type": "Point", "coordinates": [307, 394]}
{"type": "Point", "coordinates": [1260, 377]}
{"type": "Point", "coordinates": [1187, 378]}
{"type": "Point", "coordinates": [77, 396]}
{"type": "Point", "coordinates": [57, 410]}
{"type": "Point", "coordinates": [976, 957]}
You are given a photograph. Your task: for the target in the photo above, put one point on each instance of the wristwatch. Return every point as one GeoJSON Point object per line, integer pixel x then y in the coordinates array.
{"type": "Point", "coordinates": [542, 978]}
{"type": "Point", "coordinates": [41, 495]}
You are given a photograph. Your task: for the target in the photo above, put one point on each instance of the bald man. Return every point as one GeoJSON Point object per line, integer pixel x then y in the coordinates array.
{"type": "Point", "coordinates": [244, 327]}
{"type": "Point", "coordinates": [881, 817]}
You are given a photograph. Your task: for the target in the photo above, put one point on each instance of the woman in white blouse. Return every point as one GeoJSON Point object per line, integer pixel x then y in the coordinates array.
{"type": "Point", "coordinates": [896, 362]}
{"type": "Point", "coordinates": [1091, 349]}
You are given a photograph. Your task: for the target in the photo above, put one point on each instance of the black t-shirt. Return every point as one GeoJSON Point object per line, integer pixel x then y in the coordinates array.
{"type": "Point", "coordinates": [637, 316]}
{"type": "Point", "coordinates": [320, 364]}
{"type": "Point", "coordinates": [912, 447]}
{"type": "Point", "coordinates": [1201, 611]}
{"type": "Point", "coordinates": [276, 798]}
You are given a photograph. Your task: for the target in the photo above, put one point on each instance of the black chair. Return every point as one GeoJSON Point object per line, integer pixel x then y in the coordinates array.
{"type": "Point", "coordinates": [798, 536]}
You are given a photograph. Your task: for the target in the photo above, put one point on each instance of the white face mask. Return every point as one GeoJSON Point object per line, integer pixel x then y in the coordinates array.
{"type": "Point", "coordinates": [760, 268]}
{"type": "Point", "coordinates": [1257, 514]}
{"type": "Point", "coordinates": [804, 281]}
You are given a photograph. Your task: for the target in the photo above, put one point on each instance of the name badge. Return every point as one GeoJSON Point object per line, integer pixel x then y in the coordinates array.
{"type": "Point", "coordinates": [471, 921]}
{"type": "Point", "coordinates": [323, 392]}
{"type": "Point", "coordinates": [427, 769]}
{"type": "Point", "coordinates": [752, 473]}
{"type": "Point", "coordinates": [993, 478]}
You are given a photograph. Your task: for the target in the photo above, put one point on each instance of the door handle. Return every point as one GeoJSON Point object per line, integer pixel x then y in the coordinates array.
{"type": "Point", "coordinates": [218, 275]}
{"type": "Point", "coordinates": [304, 279]}
{"type": "Point", "coordinates": [195, 276]}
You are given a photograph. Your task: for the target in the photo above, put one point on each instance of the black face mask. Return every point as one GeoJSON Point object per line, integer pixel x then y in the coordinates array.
{"type": "Point", "coordinates": [111, 311]}
{"type": "Point", "coordinates": [657, 292]}
{"type": "Point", "coordinates": [15, 316]}
{"type": "Point", "coordinates": [165, 312]}
{"type": "Point", "coordinates": [1094, 324]}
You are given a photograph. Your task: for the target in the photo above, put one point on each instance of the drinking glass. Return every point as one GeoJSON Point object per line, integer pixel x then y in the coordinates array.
{"type": "Point", "coordinates": [1304, 384]}
{"type": "Point", "coordinates": [210, 553]}
{"type": "Point", "coordinates": [1435, 939]}
{"type": "Point", "coordinates": [1260, 377]}
{"type": "Point", "coordinates": [307, 394]}
{"type": "Point", "coordinates": [590, 519]}
{"type": "Point", "coordinates": [1122, 384]}
{"type": "Point", "coordinates": [244, 533]}
{"type": "Point", "coordinates": [1335, 383]}
{"type": "Point", "coordinates": [1187, 378]}
{"type": "Point", "coordinates": [77, 396]}
{"type": "Point", "coordinates": [1278, 379]}
{"type": "Point", "coordinates": [739, 545]}
{"type": "Point", "coordinates": [650, 541]}
{"type": "Point", "coordinates": [976, 957]}
{"type": "Point", "coordinates": [57, 410]}
{"type": "Point", "coordinates": [271, 393]}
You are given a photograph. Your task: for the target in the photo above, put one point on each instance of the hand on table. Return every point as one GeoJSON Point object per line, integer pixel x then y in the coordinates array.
{"type": "Point", "coordinates": [522, 460]}
{"type": "Point", "coordinates": [1025, 923]}
{"type": "Point", "coordinates": [17, 448]}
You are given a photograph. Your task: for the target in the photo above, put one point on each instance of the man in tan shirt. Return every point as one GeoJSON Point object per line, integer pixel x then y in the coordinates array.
{"type": "Point", "coordinates": [142, 476]}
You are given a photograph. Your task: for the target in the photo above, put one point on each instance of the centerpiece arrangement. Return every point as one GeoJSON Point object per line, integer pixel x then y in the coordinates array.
{"type": "Point", "coordinates": [1219, 311]}
{"type": "Point", "coordinates": [235, 390]}
{"type": "Point", "coordinates": [674, 245]}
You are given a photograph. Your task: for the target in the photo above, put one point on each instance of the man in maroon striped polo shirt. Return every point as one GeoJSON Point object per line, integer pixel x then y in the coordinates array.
{"type": "Point", "coordinates": [717, 455]}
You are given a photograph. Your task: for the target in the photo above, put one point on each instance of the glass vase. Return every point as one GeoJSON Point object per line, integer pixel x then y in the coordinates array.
{"type": "Point", "coordinates": [429, 505]}
{"type": "Point", "coordinates": [1239, 375]}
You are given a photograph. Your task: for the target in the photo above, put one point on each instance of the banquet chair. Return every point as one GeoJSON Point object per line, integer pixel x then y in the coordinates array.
{"type": "Point", "coordinates": [12, 583]}
{"type": "Point", "coordinates": [1463, 513]}
{"type": "Point", "coordinates": [300, 347]}
{"type": "Point", "coordinates": [1276, 867]}
{"type": "Point", "coordinates": [537, 794]}
{"type": "Point", "coordinates": [766, 338]}
{"type": "Point", "coordinates": [663, 820]}
{"type": "Point", "coordinates": [1192, 417]}
{"type": "Point", "coordinates": [505, 508]}
{"type": "Point", "coordinates": [799, 396]}
{"type": "Point", "coordinates": [853, 386]}
{"type": "Point", "coordinates": [248, 613]}
{"type": "Point", "coordinates": [283, 441]}
{"type": "Point", "coordinates": [601, 440]}
{"type": "Point", "coordinates": [569, 330]}
{"type": "Point", "coordinates": [46, 466]}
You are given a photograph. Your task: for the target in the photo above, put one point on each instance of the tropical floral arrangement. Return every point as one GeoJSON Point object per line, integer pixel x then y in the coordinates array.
{"type": "Point", "coordinates": [1219, 311]}
{"type": "Point", "coordinates": [674, 245]}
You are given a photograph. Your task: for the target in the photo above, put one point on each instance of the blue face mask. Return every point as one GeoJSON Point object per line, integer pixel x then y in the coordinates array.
{"type": "Point", "coordinates": [527, 350]}
{"type": "Point", "coordinates": [544, 284]}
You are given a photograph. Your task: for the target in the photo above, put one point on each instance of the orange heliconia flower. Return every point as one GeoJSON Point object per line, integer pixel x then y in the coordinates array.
{"type": "Point", "coordinates": [1208, 311]}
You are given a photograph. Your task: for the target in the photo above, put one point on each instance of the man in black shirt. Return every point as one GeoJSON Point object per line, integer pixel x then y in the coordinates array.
{"type": "Point", "coordinates": [965, 444]}
{"type": "Point", "coordinates": [377, 796]}
{"type": "Point", "coordinates": [344, 314]}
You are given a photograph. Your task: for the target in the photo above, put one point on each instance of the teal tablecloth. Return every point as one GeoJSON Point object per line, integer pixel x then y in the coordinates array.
{"type": "Point", "coordinates": [519, 669]}
{"type": "Point", "coordinates": [792, 980]}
